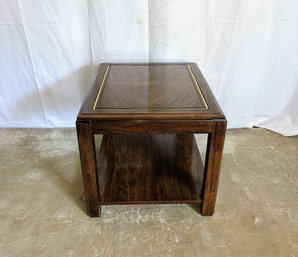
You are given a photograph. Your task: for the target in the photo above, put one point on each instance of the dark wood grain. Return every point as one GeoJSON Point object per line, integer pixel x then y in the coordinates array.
{"type": "Point", "coordinates": [89, 169]}
{"type": "Point", "coordinates": [132, 104]}
{"type": "Point", "coordinates": [150, 91]}
{"type": "Point", "coordinates": [149, 169]}
{"type": "Point", "coordinates": [149, 87]}
{"type": "Point", "coordinates": [207, 92]}
{"type": "Point", "coordinates": [214, 152]}
{"type": "Point", "coordinates": [151, 127]}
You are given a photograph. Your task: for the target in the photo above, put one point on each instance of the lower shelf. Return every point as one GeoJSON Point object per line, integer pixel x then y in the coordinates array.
{"type": "Point", "coordinates": [149, 169]}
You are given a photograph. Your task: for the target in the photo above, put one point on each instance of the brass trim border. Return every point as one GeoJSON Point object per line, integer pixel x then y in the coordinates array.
{"type": "Point", "coordinates": [197, 85]}
{"type": "Point", "coordinates": [101, 86]}
{"type": "Point", "coordinates": [189, 71]}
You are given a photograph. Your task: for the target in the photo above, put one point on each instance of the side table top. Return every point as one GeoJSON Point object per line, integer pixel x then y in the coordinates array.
{"type": "Point", "coordinates": [150, 91]}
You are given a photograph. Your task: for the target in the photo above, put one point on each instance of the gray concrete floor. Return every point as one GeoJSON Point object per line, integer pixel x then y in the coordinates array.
{"type": "Point", "coordinates": [42, 209]}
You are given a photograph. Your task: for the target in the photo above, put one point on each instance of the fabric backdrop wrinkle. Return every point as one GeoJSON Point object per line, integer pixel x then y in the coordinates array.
{"type": "Point", "coordinates": [247, 51]}
{"type": "Point", "coordinates": [41, 106]}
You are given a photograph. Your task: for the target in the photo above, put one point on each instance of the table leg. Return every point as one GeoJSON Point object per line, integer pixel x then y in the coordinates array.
{"type": "Point", "coordinates": [214, 151]}
{"type": "Point", "coordinates": [89, 169]}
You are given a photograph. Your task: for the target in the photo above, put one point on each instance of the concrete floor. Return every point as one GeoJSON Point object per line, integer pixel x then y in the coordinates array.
{"type": "Point", "coordinates": [42, 209]}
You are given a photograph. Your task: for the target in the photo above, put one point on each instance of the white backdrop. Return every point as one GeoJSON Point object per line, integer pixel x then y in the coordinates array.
{"type": "Point", "coordinates": [247, 50]}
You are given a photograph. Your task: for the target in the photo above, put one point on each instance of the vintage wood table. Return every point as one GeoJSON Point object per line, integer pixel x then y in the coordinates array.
{"type": "Point", "coordinates": [148, 114]}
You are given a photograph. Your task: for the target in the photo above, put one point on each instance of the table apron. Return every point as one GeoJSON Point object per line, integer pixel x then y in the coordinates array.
{"type": "Point", "coordinates": [152, 127]}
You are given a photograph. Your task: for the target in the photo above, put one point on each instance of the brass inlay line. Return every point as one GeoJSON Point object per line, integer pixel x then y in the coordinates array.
{"type": "Point", "coordinates": [101, 86]}
{"type": "Point", "coordinates": [190, 72]}
{"type": "Point", "coordinates": [198, 87]}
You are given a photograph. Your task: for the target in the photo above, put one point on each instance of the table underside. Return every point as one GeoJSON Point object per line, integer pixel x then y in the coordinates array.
{"type": "Point", "coordinates": [157, 168]}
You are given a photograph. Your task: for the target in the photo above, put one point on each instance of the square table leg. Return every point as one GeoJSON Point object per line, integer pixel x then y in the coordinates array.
{"type": "Point", "coordinates": [214, 152]}
{"type": "Point", "coordinates": [89, 168]}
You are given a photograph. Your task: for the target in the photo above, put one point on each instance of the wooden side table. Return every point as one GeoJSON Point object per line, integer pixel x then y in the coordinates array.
{"type": "Point", "coordinates": [148, 114]}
